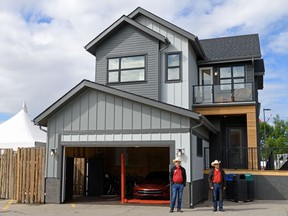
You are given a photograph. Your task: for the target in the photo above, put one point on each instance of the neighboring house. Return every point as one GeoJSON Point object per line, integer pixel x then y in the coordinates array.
{"type": "Point", "coordinates": [158, 90]}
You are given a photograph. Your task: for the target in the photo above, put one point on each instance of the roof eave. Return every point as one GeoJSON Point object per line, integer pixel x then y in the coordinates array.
{"type": "Point", "coordinates": [134, 14]}
{"type": "Point", "coordinates": [42, 118]}
{"type": "Point", "coordinates": [91, 46]}
{"type": "Point", "coordinates": [220, 61]}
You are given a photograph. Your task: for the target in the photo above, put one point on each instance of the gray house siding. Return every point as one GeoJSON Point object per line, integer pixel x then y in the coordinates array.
{"type": "Point", "coordinates": [192, 73]}
{"type": "Point", "coordinates": [95, 112]}
{"type": "Point", "coordinates": [250, 73]}
{"type": "Point", "coordinates": [128, 42]}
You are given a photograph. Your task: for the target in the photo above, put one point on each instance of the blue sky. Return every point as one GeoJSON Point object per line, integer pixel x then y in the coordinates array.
{"type": "Point", "coordinates": [42, 55]}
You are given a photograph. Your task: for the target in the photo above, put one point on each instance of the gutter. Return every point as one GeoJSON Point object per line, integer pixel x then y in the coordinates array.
{"type": "Point", "coordinates": [40, 127]}
{"type": "Point", "coordinates": [167, 43]}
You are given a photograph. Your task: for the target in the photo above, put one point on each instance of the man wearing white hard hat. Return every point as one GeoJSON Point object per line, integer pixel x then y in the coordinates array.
{"type": "Point", "coordinates": [178, 182]}
{"type": "Point", "coordinates": [217, 183]}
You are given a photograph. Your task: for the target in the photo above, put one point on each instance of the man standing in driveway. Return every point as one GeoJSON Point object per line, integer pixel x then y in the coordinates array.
{"type": "Point", "coordinates": [217, 183]}
{"type": "Point", "coordinates": [178, 182]}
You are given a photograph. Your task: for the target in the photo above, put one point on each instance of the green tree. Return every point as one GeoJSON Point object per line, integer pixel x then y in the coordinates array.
{"type": "Point", "coordinates": [276, 135]}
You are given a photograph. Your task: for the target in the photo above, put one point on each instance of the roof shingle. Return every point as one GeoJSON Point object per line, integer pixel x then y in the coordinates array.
{"type": "Point", "coordinates": [228, 48]}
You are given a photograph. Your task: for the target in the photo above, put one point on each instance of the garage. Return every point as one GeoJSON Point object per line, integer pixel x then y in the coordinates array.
{"type": "Point", "coordinates": [96, 172]}
{"type": "Point", "coordinates": [97, 124]}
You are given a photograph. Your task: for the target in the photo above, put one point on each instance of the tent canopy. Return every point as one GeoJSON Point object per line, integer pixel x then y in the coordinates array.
{"type": "Point", "coordinates": [20, 131]}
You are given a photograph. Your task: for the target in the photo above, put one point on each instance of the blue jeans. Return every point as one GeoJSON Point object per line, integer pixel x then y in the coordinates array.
{"type": "Point", "coordinates": [217, 193]}
{"type": "Point", "coordinates": [177, 191]}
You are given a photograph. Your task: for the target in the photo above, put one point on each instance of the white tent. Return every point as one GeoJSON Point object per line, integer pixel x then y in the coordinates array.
{"type": "Point", "coordinates": [20, 131]}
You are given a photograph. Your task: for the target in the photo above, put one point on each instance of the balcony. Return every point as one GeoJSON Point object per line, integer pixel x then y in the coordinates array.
{"type": "Point", "coordinates": [224, 93]}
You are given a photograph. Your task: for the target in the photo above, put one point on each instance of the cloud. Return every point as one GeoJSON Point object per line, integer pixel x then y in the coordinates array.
{"type": "Point", "coordinates": [279, 43]}
{"type": "Point", "coordinates": [41, 42]}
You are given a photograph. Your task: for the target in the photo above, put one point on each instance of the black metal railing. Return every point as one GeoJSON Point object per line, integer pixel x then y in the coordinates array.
{"type": "Point", "coordinates": [248, 158]}
{"type": "Point", "coordinates": [237, 92]}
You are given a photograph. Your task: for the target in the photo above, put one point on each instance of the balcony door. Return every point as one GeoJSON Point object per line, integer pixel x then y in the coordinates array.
{"type": "Point", "coordinates": [206, 82]}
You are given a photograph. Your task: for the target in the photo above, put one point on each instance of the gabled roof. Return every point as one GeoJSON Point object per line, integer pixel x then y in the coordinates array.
{"type": "Point", "coordinates": [192, 38]}
{"type": "Point", "coordinates": [91, 46]}
{"type": "Point", "coordinates": [42, 118]}
{"type": "Point", "coordinates": [231, 48]}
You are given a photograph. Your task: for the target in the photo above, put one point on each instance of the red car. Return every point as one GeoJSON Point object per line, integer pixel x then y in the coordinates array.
{"type": "Point", "coordinates": [155, 185]}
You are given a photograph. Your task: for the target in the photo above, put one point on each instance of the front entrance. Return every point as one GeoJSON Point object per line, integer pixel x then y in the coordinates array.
{"type": "Point", "coordinates": [237, 156]}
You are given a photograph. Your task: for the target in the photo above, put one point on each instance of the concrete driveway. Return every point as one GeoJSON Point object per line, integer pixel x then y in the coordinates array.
{"type": "Point", "coordinates": [261, 208]}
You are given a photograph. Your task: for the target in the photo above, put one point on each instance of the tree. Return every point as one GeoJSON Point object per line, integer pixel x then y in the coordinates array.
{"type": "Point", "coordinates": [276, 135]}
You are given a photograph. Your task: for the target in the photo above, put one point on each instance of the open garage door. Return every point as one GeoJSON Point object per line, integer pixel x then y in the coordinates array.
{"type": "Point", "coordinates": [98, 177]}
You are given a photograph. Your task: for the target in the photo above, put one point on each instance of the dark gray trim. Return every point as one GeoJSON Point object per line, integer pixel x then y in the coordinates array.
{"type": "Point", "coordinates": [180, 67]}
{"type": "Point", "coordinates": [226, 104]}
{"type": "Point", "coordinates": [91, 46]}
{"type": "Point", "coordinates": [228, 60]}
{"type": "Point", "coordinates": [115, 144]}
{"type": "Point", "coordinates": [42, 118]}
{"type": "Point", "coordinates": [138, 131]}
{"type": "Point", "coordinates": [119, 70]}
{"type": "Point", "coordinates": [163, 22]}
{"type": "Point", "coordinates": [192, 38]}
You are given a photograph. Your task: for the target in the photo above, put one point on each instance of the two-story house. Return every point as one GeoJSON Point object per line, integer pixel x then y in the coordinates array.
{"type": "Point", "coordinates": [159, 92]}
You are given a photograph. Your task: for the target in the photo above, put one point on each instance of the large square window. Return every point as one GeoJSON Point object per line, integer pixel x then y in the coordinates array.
{"type": "Point", "coordinates": [173, 65]}
{"type": "Point", "coordinates": [126, 69]}
{"type": "Point", "coordinates": [232, 77]}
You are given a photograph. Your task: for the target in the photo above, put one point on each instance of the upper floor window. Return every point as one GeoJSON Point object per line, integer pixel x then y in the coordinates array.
{"type": "Point", "coordinates": [126, 69]}
{"type": "Point", "coordinates": [232, 77]}
{"type": "Point", "coordinates": [173, 65]}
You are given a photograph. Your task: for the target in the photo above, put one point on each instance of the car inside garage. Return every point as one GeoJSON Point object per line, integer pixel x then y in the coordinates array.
{"type": "Point", "coordinates": [98, 173]}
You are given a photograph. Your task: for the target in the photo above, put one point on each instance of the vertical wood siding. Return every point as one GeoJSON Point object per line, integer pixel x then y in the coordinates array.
{"type": "Point", "coordinates": [98, 112]}
{"type": "Point", "coordinates": [176, 93]}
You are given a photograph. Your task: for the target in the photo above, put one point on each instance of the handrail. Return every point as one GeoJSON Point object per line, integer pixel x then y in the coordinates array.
{"type": "Point", "coordinates": [224, 93]}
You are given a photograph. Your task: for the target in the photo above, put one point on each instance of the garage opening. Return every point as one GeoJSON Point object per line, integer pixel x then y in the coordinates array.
{"type": "Point", "coordinates": [94, 173]}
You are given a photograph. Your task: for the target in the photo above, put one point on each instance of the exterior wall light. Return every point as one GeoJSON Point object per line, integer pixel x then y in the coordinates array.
{"type": "Point", "coordinates": [179, 152]}
{"type": "Point", "coordinates": [53, 152]}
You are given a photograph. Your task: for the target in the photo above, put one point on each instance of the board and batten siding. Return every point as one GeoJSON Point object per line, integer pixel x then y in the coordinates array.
{"type": "Point", "coordinates": [176, 93]}
{"type": "Point", "coordinates": [97, 116]}
{"type": "Point", "coordinates": [129, 41]}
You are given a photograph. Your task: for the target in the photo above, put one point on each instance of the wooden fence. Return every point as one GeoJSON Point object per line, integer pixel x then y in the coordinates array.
{"type": "Point", "coordinates": [22, 174]}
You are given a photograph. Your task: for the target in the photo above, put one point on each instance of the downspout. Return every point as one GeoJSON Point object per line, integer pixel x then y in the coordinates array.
{"type": "Point", "coordinates": [257, 116]}
{"type": "Point", "coordinates": [167, 42]}
{"type": "Point", "coordinates": [191, 171]}
{"type": "Point", "coordinates": [40, 127]}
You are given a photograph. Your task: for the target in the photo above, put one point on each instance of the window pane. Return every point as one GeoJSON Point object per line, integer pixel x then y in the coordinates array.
{"type": "Point", "coordinates": [113, 64]}
{"type": "Point", "coordinates": [238, 71]}
{"type": "Point", "coordinates": [225, 84]}
{"type": "Point", "coordinates": [173, 60]}
{"type": "Point", "coordinates": [173, 74]}
{"type": "Point", "coordinates": [132, 75]}
{"type": "Point", "coordinates": [224, 81]}
{"type": "Point", "coordinates": [239, 86]}
{"type": "Point", "coordinates": [239, 80]}
{"type": "Point", "coordinates": [133, 62]}
{"type": "Point", "coordinates": [225, 72]}
{"type": "Point", "coordinates": [113, 77]}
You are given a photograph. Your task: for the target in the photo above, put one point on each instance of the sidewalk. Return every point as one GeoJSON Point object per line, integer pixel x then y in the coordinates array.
{"type": "Point", "coordinates": [261, 208]}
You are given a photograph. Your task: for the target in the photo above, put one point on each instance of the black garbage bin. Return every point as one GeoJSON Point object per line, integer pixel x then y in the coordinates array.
{"type": "Point", "coordinates": [229, 186]}
{"type": "Point", "coordinates": [240, 188]}
{"type": "Point", "coordinates": [250, 186]}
